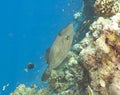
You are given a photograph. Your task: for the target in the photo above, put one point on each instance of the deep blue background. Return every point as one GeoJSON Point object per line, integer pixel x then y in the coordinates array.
{"type": "Point", "coordinates": [27, 29]}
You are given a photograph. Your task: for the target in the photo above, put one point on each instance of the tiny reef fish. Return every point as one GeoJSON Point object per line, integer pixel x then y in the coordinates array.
{"type": "Point", "coordinates": [29, 66]}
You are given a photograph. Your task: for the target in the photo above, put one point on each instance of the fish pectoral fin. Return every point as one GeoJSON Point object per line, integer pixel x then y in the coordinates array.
{"type": "Point", "coordinates": [46, 75]}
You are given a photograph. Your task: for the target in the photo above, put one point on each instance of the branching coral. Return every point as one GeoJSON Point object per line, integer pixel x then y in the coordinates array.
{"type": "Point", "coordinates": [107, 8]}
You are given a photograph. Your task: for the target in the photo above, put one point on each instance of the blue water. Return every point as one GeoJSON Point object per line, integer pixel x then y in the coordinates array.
{"type": "Point", "coordinates": [27, 29]}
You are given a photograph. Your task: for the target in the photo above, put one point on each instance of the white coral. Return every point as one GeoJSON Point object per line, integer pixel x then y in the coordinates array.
{"type": "Point", "coordinates": [116, 17]}
{"type": "Point", "coordinates": [100, 42]}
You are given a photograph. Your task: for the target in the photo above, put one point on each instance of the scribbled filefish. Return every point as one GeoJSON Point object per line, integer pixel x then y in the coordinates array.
{"type": "Point", "coordinates": [59, 49]}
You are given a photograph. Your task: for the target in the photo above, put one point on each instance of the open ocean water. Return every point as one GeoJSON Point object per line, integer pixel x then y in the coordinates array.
{"type": "Point", "coordinates": [27, 29]}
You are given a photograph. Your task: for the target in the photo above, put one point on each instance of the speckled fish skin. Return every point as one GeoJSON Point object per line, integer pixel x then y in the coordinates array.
{"type": "Point", "coordinates": [59, 49]}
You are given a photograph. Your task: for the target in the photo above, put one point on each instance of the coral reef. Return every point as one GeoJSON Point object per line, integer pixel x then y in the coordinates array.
{"type": "Point", "coordinates": [23, 90]}
{"type": "Point", "coordinates": [104, 71]}
{"type": "Point", "coordinates": [107, 7]}
{"type": "Point", "coordinates": [92, 66]}
{"type": "Point", "coordinates": [93, 62]}
{"type": "Point", "coordinates": [68, 80]}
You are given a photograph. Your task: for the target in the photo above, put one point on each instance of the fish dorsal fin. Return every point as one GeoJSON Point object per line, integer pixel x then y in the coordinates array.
{"type": "Point", "coordinates": [47, 55]}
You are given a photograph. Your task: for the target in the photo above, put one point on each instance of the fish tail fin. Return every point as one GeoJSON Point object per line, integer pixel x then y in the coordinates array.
{"type": "Point", "coordinates": [46, 75]}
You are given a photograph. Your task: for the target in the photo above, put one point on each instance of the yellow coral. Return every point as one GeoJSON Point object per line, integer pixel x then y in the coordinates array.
{"type": "Point", "coordinates": [106, 61]}
{"type": "Point", "coordinates": [111, 37]}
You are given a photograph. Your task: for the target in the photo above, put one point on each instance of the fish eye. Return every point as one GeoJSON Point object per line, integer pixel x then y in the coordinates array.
{"type": "Point", "coordinates": [67, 37]}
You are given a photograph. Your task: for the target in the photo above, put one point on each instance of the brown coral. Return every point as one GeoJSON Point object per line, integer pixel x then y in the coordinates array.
{"type": "Point", "coordinates": [106, 7]}
{"type": "Point", "coordinates": [114, 87]}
